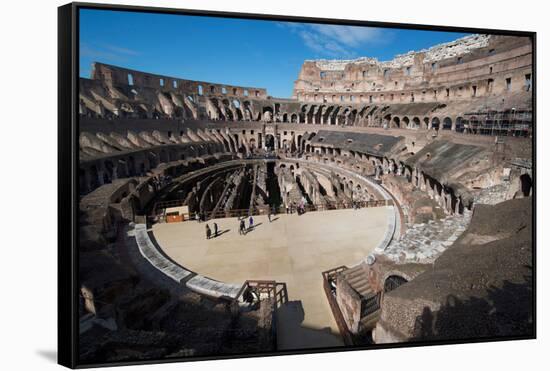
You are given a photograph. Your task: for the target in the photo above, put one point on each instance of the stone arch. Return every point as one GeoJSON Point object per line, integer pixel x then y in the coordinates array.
{"type": "Point", "coordinates": [214, 111]}
{"type": "Point", "coordinates": [406, 122]}
{"type": "Point", "coordinates": [327, 115]}
{"type": "Point", "coordinates": [319, 114]}
{"type": "Point", "coordinates": [236, 105]}
{"type": "Point", "coordinates": [269, 142]}
{"type": "Point", "coordinates": [303, 113]}
{"type": "Point", "coordinates": [435, 123]}
{"type": "Point", "coordinates": [267, 114]}
{"type": "Point", "coordinates": [396, 122]}
{"type": "Point", "coordinates": [310, 116]}
{"type": "Point", "coordinates": [353, 116]}
{"type": "Point", "coordinates": [239, 144]}
{"type": "Point", "coordinates": [526, 184]}
{"type": "Point", "coordinates": [248, 111]}
{"type": "Point", "coordinates": [459, 124]}
{"type": "Point", "coordinates": [426, 123]}
{"type": "Point", "coordinates": [447, 123]}
{"type": "Point", "coordinates": [334, 115]}
{"type": "Point", "coordinates": [393, 281]}
{"type": "Point", "coordinates": [226, 144]}
{"type": "Point", "coordinates": [345, 115]}
{"type": "Point", "coordinates": [416, 123]}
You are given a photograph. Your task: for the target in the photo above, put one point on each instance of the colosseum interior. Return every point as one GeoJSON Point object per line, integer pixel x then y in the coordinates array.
{"type": "Point", "coordinates": [391, 202]}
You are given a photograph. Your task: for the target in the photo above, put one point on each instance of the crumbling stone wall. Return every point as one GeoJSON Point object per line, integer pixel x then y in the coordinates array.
{"type": "Point", "coordinates": [469, 292]}
{"type": "Point", "coordinates": [422, 76]}
{"type": "Point", "coordinates": [349, 303]}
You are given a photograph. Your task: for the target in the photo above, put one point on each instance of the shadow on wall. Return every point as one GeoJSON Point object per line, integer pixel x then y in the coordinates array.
{"type": "Point", "coordinates": [292, 335]}
{"type": "Point", "coordinates": [505, 311]}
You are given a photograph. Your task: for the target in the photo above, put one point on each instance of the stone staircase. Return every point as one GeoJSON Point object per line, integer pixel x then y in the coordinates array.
{"type": "Point", "coordinates": [357, 278]}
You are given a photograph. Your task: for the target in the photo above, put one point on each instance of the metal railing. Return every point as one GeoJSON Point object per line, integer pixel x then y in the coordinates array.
{"type": "Point", "coordinates": [239, 213]}
{"type": "Point", "coordinates": [253, 291]}
{"type": "Point", "coordinates": [166, 204]}
{"type": "Point", "coordinates": [329, 285]}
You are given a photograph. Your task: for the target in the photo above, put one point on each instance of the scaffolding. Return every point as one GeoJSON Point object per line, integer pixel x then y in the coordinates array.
{"type": "Point", "coordinates": [516, 123]}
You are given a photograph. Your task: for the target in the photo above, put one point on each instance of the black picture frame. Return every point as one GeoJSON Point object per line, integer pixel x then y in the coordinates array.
{"type": "Point", "coordinates": [68, 129]}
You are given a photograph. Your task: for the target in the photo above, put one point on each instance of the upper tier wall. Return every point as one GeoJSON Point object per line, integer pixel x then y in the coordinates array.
{"type": "Point", "coordinates": [123, 76]}
{"type": "Point", "coordinates": [503, 66]}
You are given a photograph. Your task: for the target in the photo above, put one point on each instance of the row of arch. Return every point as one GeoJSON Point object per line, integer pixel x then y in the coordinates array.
{"type": "Point", "coordinates": [444, 195]}
{"type": "Point", "coordinates": [93, 174]}
{"type": "Point", "coordinates": [234, 109]}
{"type": "Point", "coordinates": [427, 123]}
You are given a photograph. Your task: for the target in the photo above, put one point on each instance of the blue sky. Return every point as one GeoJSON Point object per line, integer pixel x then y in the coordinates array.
{"type": "Point", "coordinates": [266, 54]}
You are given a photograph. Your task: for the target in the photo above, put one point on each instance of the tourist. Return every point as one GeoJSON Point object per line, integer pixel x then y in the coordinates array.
{"type": "Point", "coordinates": [242, 227]}
{"type": "Point", "coordinates": [215, 230]}
{"type": "Point", "coordinates": [250, 223]}
{"type": "Point", "coordinates": [208, 232]}
{"type": "Point", "coordinates": [269, 214]}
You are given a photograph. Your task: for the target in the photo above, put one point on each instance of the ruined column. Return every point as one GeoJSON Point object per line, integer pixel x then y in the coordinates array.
{"type": "Point", "coordinates": [275, 137]}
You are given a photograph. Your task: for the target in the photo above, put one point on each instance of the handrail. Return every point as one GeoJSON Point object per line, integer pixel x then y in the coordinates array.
{"type": "Point", "coordinates": [346, 334]}
{"type": "Point", "coordinates": [273, 289]}
{"type": "Point", "coordinates": [166, 204]}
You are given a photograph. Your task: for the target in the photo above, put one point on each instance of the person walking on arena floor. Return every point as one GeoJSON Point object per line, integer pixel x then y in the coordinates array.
{"type": "Point", "coordinates": [215, 230]}
{"type": "Point", "coordinates": [242, 227]}
{"type": "Point", "coordinates": [250, 223]}
{"type": "Point", "coordinates": [208, 232]}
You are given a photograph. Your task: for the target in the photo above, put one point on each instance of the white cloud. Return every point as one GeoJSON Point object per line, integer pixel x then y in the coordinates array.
{"type": "Point", "coordinates": [334, 40]}
{"type": "Point", "coordinates": [106, 52]}
{"type": "Point", "coordinates": [120, 50]}
{"type": "Point", "coordinates": [351, 36]}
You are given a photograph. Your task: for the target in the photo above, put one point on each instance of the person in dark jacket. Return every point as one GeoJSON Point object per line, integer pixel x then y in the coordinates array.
{"type": "Point", "coordinates": [242, 227]}
{"type": "Point", "coordinates": [208, 232]}
{"type": "Point", "coordinates": [215, 230]}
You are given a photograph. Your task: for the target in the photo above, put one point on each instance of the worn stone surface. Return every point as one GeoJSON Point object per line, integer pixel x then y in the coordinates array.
{"type": "Point", "coordinates": [480, 287]}
{"type": "Point", "coordinates": [425, 242]}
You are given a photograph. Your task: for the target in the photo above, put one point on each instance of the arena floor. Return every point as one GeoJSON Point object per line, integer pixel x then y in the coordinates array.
{"type": "Point", "coordinates": [292, 249]}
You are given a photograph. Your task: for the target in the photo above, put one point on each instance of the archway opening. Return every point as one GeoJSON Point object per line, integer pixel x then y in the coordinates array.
{"type": "Point", "coordinates": [396, 122]}
{"type": "Point", "coordinates": [269, 142]}
{"type": "Point", "coordinates": [459, 125]}
{"type": "Point", "coordinates": [393, 282]}
{"type": "Point", "coordinates": [447, 123]}
{"type": "Point", "coordinates": [526, 185]}
{"type": "Point", "coordinates": [435, 123]}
